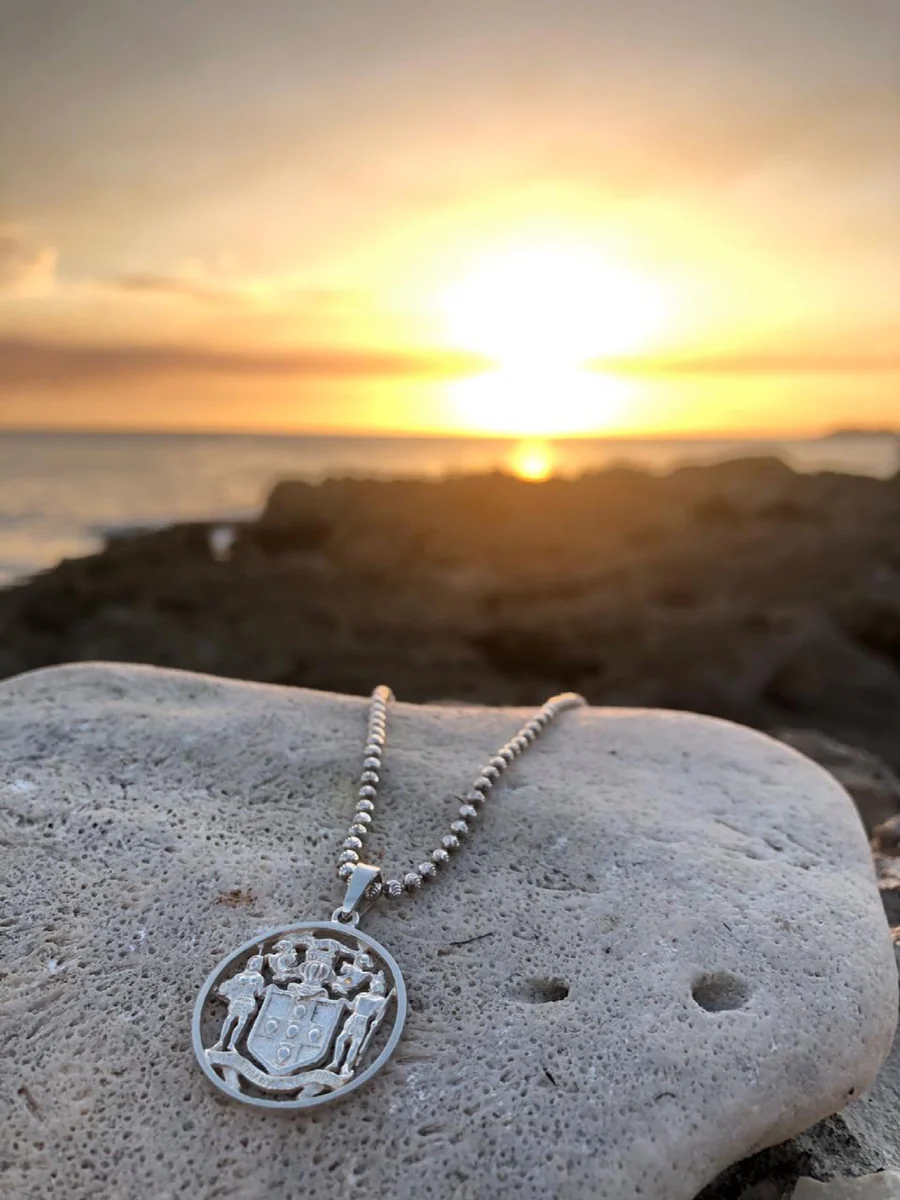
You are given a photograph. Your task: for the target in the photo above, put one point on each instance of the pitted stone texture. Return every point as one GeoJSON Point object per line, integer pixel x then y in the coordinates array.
{"type": "Point", "coordinates": [661, 949]}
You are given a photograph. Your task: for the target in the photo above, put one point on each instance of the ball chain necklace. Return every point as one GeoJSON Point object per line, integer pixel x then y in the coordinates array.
{"type": "Point", "coordinates": [305, 1013]}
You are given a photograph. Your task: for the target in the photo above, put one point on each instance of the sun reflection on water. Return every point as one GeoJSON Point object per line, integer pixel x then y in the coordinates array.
{"type": "Point", "coordinates": [533, 461]}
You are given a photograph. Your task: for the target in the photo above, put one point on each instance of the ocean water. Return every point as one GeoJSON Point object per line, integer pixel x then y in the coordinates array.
{"type": "Point", "coordinates": [61, 492]}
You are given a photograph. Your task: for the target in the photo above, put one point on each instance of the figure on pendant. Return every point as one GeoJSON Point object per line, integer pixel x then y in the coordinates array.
{"type": "Point", "coordinates": [242, 992]}
{"type": "Point", "coordinates": [366, 1014]}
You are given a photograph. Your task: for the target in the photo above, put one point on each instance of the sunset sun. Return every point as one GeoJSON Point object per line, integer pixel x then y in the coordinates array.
{"type": "Point", "coordinates": [550, 304]}
{"type": "Point", "coordinates": [540, 313]}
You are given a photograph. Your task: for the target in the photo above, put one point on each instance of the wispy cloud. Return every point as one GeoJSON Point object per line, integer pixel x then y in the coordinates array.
{"type": "Point", "coordinates": [208, 287]}
{"type": "Point", "coordinates": [50, 365]}
{"type": "Point", "coordinates": [57, 364]}
{"type": "Point", "coordinates": [27, 266]}
{"type": "Point", "coordinates": [177, 285]}
{"type": "Point", "coordinates": [757, 363]}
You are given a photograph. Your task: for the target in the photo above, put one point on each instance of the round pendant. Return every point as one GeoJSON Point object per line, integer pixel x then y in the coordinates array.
{"type": "Point", "coordinates": [299, 1016]}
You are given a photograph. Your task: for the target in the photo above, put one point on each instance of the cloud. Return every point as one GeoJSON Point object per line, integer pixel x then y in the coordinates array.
{"type": "Point", "coordinates": [52, 365]}
{"type": "Point", "coordinates": [207, 289]}
{"type": "Point", "coordinates": [57, 364]}
{"type": "Point", "coordinates": [177, 285]}
{"type": "Point", "coordinates": [811, 361]}
{"type": "Point", "coordinates": [27, 268]}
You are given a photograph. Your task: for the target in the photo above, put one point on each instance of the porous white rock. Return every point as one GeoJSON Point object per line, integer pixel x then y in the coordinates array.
{"type": "Point", "coordinates": [661, 950]}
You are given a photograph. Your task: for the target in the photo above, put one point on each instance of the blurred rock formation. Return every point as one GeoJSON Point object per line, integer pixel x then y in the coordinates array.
{"type": "Point", "coordinates": [743, 590]}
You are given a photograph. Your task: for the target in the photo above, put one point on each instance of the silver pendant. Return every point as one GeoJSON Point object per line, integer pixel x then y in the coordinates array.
{"type": "Point", "coordinates": [301, 1015]}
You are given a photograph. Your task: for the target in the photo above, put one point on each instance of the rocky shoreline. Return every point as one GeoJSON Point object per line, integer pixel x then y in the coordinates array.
{"type": "Point", "coordinates": [743, 590]}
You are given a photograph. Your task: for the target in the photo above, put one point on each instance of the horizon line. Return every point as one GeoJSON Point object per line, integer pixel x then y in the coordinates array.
{"type": "Point", "coordinates": [819, 433]}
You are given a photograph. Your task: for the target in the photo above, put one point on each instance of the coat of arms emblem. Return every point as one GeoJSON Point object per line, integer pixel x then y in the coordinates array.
{"type": "Point", "coordinates": [303, 1014]}
{"type": "Point", "coordinates": [291, 1032]}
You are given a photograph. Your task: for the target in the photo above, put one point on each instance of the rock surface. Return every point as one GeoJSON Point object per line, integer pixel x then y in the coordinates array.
{"type": "Point", "coordinates": [662, 951]}
{"type": "Point", "coordinates": [864, 1138]}
{"type": "Point", "coordinates": [883, 1186]}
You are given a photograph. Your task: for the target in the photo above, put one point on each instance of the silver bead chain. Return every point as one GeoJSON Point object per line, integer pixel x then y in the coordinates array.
{"type": "Point", "coordinates": [460, 829]}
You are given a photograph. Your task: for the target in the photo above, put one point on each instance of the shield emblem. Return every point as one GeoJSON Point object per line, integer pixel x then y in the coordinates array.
{"type": "Point", "coordinates": [291, 1032]}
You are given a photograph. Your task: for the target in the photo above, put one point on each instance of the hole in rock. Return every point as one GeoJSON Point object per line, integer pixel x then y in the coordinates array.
{"type": "Point", "coordinates": [720, 991]}
{"type": "Point", "coordinates": [539, 991]}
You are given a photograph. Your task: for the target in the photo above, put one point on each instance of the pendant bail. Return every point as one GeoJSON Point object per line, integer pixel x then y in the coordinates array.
{"type": "Point", "coordinates": [364, 875]}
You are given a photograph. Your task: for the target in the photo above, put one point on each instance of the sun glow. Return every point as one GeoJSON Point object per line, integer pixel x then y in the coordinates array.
{"type": "Point", "coordinates": [552, 304]}
{"type": "Point", "coordinates": [540, 401]}
{"type": "Point", "coordinates": [540, 312]}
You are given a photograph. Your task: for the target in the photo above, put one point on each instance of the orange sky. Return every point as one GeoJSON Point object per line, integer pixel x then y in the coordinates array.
{"type": "Point", "coordinates": [478, 217]}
